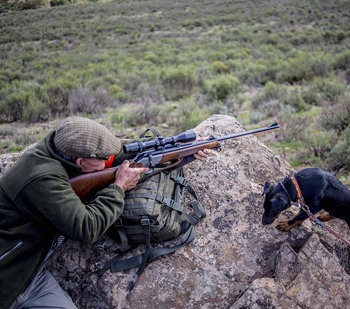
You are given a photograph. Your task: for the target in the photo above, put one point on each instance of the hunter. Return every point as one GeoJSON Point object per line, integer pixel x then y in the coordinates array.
{"type": "Point", "coordinates": [38, 208]}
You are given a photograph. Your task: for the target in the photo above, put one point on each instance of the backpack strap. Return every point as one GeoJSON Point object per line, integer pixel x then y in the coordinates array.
{"type": "Point", "coordinates": [159, 198]}
{"type": "Point", "coordinates": [198, 212]}
{"type": "Point", "coordinates": [142, 259]}
{"type": "Point", "coordinates": [147, 231]}
{"type": "Point", "coordinates": [152, 130]}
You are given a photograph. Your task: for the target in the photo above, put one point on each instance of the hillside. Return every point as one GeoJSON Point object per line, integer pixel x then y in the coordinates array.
{"type": "Point", "coordinates": [135, 64]}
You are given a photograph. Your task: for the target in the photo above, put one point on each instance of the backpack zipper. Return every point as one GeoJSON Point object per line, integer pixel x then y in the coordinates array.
{"type": "Point", "coordinates": [9, 251]}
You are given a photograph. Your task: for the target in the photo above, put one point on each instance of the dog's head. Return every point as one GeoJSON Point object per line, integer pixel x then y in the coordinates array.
{"type": "Point", "coordinates": [276, 200]}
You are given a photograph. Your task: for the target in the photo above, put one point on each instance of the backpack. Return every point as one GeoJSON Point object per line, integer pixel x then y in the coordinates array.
{"type": "Point", "coordinates": [154, 213]}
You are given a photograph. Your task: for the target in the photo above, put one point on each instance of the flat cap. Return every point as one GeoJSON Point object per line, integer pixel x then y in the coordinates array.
{"type": "Point", "coordinates": [84, 138]}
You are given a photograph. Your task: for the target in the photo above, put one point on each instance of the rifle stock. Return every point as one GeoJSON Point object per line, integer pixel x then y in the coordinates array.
{"type": "Point", "coordinates": [88, 183]}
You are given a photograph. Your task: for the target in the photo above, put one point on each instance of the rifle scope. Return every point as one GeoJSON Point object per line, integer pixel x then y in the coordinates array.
{"type": "Point", "coordinates": [185, 137]}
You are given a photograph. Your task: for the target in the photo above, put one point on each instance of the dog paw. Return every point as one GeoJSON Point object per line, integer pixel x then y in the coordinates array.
{"type": "Point", "coordinates": [283, 226]}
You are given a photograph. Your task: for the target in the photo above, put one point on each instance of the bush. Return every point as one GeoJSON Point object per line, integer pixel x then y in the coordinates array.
{"type": "Point", "coordinates": [123, 97]}
{"type": "Point", "coordinates": [342, 61]}
{"type": "Point", "coordinates": [151, 57]}
{"type": "Point", "coordinates": [189, 115]}
{"type": "Point", "coordinates": [178, 81]}
{"type": "Point", "coordinates": [272, 93]}
{"type": "Point", "coordinates": [12, 107]}
{"type": "Point", "coordinates": [295, 100]}
{"type": "Point", "coordinates": [221, 87]}
{"type": "Point", "coordinates": [35, 111]}
{"type": "Point", "coordinates": [319, 144]}
{"type": "Point", "coordinates": [83, 101]}
{"type": "Point", "coordinates": [219, 67]}
{"type": "Point", "coordinates": [293, 125]}
{"type": "Point", "coordinates": [340, 154]}
{"type": "Point", "coordinates": [337, 116]}
{"type": "Point", "coordinates": [57, 2]}
{"type": "Point", "coordinates": [305, 67]}
{"type": "Point", "coordinates": [311, 97]}
{"type": "Point", "coordinates": [330, 88]}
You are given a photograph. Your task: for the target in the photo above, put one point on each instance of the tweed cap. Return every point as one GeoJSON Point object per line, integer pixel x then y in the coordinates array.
{"type": "Point", "coordinates": [84, 138]}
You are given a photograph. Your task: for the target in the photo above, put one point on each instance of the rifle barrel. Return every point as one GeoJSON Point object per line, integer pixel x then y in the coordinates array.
{"type": "Point", "coordinates": [270, 127]}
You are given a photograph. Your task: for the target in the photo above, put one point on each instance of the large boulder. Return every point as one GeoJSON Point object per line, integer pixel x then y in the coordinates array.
{"type": "Point", "coordinates": [234, 260]}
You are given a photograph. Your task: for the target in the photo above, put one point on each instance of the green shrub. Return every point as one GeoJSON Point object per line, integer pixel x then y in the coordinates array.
{"type": "Point", "coordinates": [55, 95]}
{"type": "Point", "coordinates": [219, 67]}
{"type": "Point", "coordinates": [293, 125]}
{"type": "Point", "coordinates": [342, 61]}
{"type": "Point", "coordinates": [178, 81]}
{"type": "Point", "coordinates": [189, 115]}
{"type": "Point", "coordinates": [221, 87]}
{"type": "Point", "coordinates": [114, 89]}
{"type": "Point", "coordinates": [330, 88]}
{"type": "Point", "coordinates": [272, 91]}
{"type": "Point", "coordinates": [57, 2]}
{"type": "Point", "coordinates": [337, 116]}
{"type": "Point", "coordinates": [151, 57]}
{"type": "Point", "coordinates": [295, 100]}
{"type": "Point", "coordinates": [35, 111]}
{"type": "Point", "coordinates": [270, 96]}
{"type": "Point", "coordinates": [305, 67]}
{"type": "Point", "coordinates": [216, 56]}
{"type": "Point", "coordinates": [317, 146]}
{"type": "Point", "coordinates": [311, 96]}
{"type": "Point", "coordinates": [123, 97]}
{"type": "Point", "coordinates": [339, 156]}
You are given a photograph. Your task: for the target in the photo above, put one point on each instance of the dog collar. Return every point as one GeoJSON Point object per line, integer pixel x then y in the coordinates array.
{"type": "Point", "coordinates": [297, 188]}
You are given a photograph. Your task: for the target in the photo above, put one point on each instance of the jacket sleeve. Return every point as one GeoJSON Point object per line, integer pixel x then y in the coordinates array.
{"type": "Point", "coordinates": [52, 201]}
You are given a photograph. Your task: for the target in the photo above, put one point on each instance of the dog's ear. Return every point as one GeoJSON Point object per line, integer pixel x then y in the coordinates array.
{"type": "Point", "coordinates": [280, 203]}
{"type": "Point", "coordinates": [267, 188]}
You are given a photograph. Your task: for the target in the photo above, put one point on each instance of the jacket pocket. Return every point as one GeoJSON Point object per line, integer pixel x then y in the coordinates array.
{"type": "Point", "coordinates": [14, 248]}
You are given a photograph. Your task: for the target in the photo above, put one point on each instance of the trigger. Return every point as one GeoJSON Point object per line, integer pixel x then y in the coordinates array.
{"type": "Point", "coordinates": [151, 170]}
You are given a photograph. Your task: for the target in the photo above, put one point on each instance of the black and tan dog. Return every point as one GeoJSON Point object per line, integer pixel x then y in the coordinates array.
{"type": "Point", "coordinates": [320, 191]}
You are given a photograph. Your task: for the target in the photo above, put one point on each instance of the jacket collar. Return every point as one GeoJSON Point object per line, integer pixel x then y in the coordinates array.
{"type": "Point", "coordinates": [71, 168]}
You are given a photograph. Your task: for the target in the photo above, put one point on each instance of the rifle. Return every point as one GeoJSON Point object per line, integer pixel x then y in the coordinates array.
{"type": "Point", "coordinates": [179, 150]}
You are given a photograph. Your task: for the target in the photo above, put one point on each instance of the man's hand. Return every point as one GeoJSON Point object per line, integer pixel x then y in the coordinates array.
{"type": "Point", "coordinates": [202, 154]}
{"type": "Point", "coordinates": [127, 177]}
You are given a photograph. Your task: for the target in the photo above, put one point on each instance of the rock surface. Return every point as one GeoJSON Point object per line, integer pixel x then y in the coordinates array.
{"type": "Point", "coordinates": [235, 261]}
{"type": "Point", "coordinates": [313, 278]}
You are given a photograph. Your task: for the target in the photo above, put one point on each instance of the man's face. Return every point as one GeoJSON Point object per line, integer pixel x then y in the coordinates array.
{"type": "Point", "coordinates": [91, 165]}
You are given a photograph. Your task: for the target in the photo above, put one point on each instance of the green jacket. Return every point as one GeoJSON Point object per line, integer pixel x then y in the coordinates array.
{"type": "Point", "coordinates": [36, 204]}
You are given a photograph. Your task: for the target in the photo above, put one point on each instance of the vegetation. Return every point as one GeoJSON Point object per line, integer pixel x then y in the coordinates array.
{"type": "Point", "coordinates": [172, 64]}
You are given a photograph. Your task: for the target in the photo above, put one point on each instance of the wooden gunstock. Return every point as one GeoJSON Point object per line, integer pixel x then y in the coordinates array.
{"type": "Point", "coordinates": [184, 152]}
{"type": "Point", "coordinates": [85, 184]}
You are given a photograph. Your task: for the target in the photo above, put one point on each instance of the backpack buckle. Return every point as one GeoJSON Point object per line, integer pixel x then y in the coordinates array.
{"type": "Point", "coordinates": [181, 180]}
{"type": "Point", "coordinates": [167, 202]}
{"type": "Point", "coordinates": [145, 222]}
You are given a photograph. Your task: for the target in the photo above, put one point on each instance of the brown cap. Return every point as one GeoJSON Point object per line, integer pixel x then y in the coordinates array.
{"type": "Point", "coordinates": [84, 138]}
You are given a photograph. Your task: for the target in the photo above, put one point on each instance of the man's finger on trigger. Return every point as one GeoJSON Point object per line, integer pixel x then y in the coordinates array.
{"type": "Point", "coordinates": [141, 170]}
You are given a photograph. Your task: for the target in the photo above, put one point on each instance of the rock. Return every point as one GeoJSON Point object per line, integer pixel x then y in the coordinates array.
{"type": "Point", "coordinates": [235, 261]}
{"type": "Point", "coordinates": [8, 159]}
{"type": "Point", "coordinates": [313, 278]}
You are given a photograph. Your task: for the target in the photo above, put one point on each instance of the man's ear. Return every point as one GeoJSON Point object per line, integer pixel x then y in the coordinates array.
{"type": "Point", "coordinates": [79, 161]}
{"type": "Point", "coordinates": [267, 188]}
